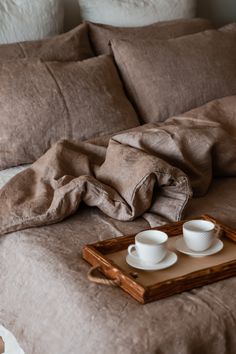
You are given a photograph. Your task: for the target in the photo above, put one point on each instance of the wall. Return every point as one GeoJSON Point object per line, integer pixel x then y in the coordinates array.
{"type": "Point", "coordinates": [219, 11]}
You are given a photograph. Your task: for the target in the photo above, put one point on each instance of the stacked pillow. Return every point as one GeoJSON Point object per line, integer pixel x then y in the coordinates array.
{"type": "Point", "coordinates": [73, 45]}
{"type": "Point", "coordinates": [53, 100]}
{"type": "Point", "coordinates": [169, 77]}
{"type": "Point", "coordinates": [53, 89]}
{"type": "Point", "coordinates": [101, 35]}
{"type": "Point", "coordinates": [42, 101]}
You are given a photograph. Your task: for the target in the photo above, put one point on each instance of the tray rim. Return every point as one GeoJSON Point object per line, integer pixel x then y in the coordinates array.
{"type": "Point", "coordinates": [95, 254]}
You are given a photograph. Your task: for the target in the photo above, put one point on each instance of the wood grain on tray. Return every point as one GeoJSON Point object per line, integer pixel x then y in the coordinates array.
{"type": "Point", "coordinates": [186, 274]}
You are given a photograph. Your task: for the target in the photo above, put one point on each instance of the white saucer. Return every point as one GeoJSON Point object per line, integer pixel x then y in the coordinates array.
{"type": "Point", "coordinates": [215, 248]}
{"type": "Point", "coordinates": [135, 262]}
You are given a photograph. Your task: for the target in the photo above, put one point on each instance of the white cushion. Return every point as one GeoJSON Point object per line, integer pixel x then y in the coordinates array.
{"type": "Point", "coordinates": [22, 20]}
{"type": "Point", "coordinates": [133, 13]}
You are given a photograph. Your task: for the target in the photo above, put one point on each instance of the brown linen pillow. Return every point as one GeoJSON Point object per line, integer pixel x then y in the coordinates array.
{"type": "Point", "coordinates": [165, 78]}
{"type": "Point", "coordinates": [70, 46]}
{"type": "Point", "coordinates": [42, 102]}
{"type": "Point", "coordinates": [100, 35]}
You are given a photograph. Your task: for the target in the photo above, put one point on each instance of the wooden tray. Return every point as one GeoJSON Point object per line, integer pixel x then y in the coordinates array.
{"type": "Point", "coordinates": [188, 273]}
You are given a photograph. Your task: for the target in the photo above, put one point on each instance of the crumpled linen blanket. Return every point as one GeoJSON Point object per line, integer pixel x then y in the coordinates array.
{"type": "Point", "coordinates": [151, 170]}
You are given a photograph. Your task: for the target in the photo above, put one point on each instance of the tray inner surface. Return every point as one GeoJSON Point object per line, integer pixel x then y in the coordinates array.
{"type": "Point", "coordinates": [184, 266]}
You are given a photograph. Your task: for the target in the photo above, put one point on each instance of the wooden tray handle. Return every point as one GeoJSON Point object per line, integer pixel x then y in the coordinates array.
{"type": "Point", "coordinates": [95, 279]}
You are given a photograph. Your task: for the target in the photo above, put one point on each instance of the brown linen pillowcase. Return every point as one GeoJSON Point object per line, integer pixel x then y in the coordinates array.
{"type": "Point", "coordinates": [101, 35]}
{"type": "Point", "coordinates": [42, 102]}
{"type": "Point", "coordinates": [71, 46]}
{"type": "Point", "coordinates": [166, 78]}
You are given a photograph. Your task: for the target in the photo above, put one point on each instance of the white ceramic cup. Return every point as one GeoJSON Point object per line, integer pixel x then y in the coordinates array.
{"type": "Point", "coordinates": [199, 235]}
{"type": "Point", "coordinates": [150, 246]}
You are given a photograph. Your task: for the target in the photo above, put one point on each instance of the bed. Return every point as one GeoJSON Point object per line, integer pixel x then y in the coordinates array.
{"type": "Point", "coordinates": [49, 305]}
{"type": "Point", "coordinates": [47, 301]}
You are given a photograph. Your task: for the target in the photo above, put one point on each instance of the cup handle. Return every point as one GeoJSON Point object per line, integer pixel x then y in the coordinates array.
{"type": "Point", "coordinates": [218, 231]}
{"type": "Point", "coordinates": [130, 248]}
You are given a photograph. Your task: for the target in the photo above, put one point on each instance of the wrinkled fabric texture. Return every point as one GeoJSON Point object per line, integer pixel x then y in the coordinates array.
{"type": "Point", "coordinates": [73, 45]}
{"type": "Point", "coordinates": [45, 294]}
{"type": "Point", "coordinates": [42, 102]}
{"type": "Point", "coordinates": [101, 35]}
{"type": "Point", "coordinates": [150, 170]}
{"type": "Point", "coordinates": [50, 306]}
{"type": "Point", "coordinates": [165, 78]}
{"type": "Point", "coordinates": [220, 202]}
{"type": "Point", "coordinates": [22, 20]}
{"type": "Point", "coordinates": [7, 174]}
{"type": "Point", "coordinates": [133, 13]}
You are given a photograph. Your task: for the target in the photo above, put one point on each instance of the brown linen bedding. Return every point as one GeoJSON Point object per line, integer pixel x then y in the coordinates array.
{"type": "Point", "coordinates": [150, 170]}
{"type": "Point", "coordinates": [50, 306]}
{"type": "Point", "coordinates": [73, 45]}
{"type": "Point", "coordinates": [46, 299]}
{"type": "Point", "coordinates": [100, 35]}
{"type": "Point", "coordinates": [42, 102]}
{"type": "Point", "coordinates": [168, 77]}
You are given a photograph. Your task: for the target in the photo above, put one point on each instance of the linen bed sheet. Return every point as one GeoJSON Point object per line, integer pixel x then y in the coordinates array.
{"type": "Point", "coordinates": [156, 169]}
{"type": "Point", "coordinates": [6, 175]}
{"type": "Point", "coordinates": [50, 306]}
